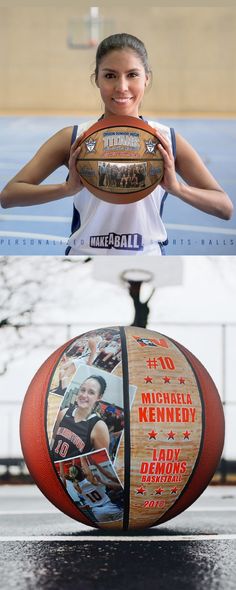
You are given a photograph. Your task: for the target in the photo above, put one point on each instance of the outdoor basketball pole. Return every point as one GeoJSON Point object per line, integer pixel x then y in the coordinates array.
{"type": "Point", "coordinates": [141, 308]}
{"type": "Point", "coordinates": [135, 274]}
{"type": "Point", "coordinates": [135, 284]}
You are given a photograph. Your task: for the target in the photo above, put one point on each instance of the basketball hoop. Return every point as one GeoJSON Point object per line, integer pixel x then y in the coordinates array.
{"type": "Point", "coordinates": [136, 275]}
{"type": "Point", "coordinates": [86, 32]}
{"type": "Point", "coordinates": [140, 275]}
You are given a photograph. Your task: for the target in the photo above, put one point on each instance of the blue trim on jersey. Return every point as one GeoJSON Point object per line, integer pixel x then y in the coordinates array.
{"type": "Point", "coordinates": [74, 134]}
{"type": "Point", "coordinates": [162, 244]}
{"type": "Point", "coordinates": [74, 221]}
{"type": "Point", "coordinates": [162, 203]}
{"type": "Point", "coordinates": [73, 138]}
{"type": "Point", "coordinates": [173, 141]}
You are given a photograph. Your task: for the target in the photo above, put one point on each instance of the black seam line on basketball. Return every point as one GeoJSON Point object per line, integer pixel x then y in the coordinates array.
{"type": "Point", "coordinates": [202, 434]}
{"type": "Point", "coordinates": [94, 524]}
{"type": "Point", "coordinates": [125, 372]}
{"type": "Point", "coordinates": [132, 192]}
{"type": "Point", "coordinates": [126, 126]}
{"type": "Point", "coordinates": [120, 160]}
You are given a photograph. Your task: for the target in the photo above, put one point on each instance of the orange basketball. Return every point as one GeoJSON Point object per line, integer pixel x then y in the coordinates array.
{"type": "Point", "coordinates": [119, 160]}
{"type": "Point", "coordinates": [122, 428]}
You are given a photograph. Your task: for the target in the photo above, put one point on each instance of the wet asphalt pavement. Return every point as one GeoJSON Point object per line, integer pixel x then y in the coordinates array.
{"type": "Point", "coordinates": [167, 557]}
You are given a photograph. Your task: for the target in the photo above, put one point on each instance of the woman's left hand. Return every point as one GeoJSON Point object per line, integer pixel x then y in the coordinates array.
{"type": "Point", "coordinates": [169, 181]}
{"type": "Point", "coordinates": [196, 185]}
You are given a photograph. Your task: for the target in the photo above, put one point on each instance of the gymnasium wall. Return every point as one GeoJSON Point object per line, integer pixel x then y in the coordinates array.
{"type": "Point", "coordinates": [192, 52]}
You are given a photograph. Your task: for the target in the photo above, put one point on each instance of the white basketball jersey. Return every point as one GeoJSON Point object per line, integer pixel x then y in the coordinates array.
{"type": "Point", "coordinates": [94, 495]}
{"type": "Point", "coordinates": [83, 358]}
{"type": "Point", "coordinates": [112, 347]}
{"type": "Point", "coordinates": [107, 229]}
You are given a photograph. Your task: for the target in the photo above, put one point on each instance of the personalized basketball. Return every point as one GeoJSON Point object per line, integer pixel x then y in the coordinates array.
{"type": "Point", "coordinates": [119, 160]}
{"type": "Point", "coordinates": [122, 428]}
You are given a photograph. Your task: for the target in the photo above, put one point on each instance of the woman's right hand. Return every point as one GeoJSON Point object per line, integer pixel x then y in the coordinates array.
{"type": "Point", "coordinates": [27, 187]}
{"type": "Point", "coordinates": [74, 183]}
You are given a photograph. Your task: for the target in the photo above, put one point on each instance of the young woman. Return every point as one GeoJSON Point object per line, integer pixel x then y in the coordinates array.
{"type": "Point", "coordinates": [122, 74]}
{"type": "Point", "coordinates": [80, 430]}
{"type": "Point", "coordinates": [93, 490]}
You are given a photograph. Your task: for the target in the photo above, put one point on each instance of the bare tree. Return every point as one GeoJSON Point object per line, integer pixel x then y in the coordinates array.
{"type": "Point", "coordinates": [29, 287]}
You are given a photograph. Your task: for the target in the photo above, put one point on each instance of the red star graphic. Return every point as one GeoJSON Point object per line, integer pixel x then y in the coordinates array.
{"type": "Point", "coordinates": [181, 380]}
{"type": "Point", "coordinates": [174, 490]}
{"type": "Point", "coordinates": [166, 379]}
{"type": "Point", "coordinates": [171, 434]}
{"type": "Point", "coordinates": [140, 490]}
{"type": "Point", "coordinates": [152, 434]}
{"type": "Point", "coordinates": [148, 379]}
{"type": "Point", "coordinates": [159, 491]}
{"type": "Point", "coordinates": [186, 434]}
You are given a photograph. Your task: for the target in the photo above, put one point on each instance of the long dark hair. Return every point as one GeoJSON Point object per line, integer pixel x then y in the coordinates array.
{"type": "Point", "coordinates": [122, 41]}
{"type": "Point", "coordinates": [101, 382]}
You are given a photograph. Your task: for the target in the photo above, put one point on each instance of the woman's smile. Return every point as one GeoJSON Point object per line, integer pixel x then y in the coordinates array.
{"type": "Point", "coordinates": [122, 81]}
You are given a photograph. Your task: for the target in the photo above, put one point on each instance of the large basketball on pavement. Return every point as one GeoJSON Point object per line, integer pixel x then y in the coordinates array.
{"type": "Point", "coordinates": [122, 428]}
{"type": "Point", "coordinates": [119, 160]}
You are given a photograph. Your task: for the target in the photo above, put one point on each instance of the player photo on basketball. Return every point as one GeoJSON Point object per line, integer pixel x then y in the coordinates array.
{"type": "Point", "coordinates": [109, 355]}
{"type": "Point", "coordinates": [93, 485]}
{"type": "Point", "coordinates": [91, 415]}
{"type": "Point", "coordinates": [101, 348]}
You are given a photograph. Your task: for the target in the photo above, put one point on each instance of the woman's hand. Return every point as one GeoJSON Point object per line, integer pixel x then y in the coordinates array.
{"type": "Point", "coordinates": [73, 183]}
{"type": "Point", "coordinates": [169, 181]}
{"type": "Point", "coordinates": [199, 188]}
{"type": "Point", "coordinates": [27, 188]}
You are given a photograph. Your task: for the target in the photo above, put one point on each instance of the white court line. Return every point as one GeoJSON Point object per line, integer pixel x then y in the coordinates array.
{"type": "Point", "coordinates": [32, 236]}
{"type": "Point", "coordinates": [47, 218]}
{"type": "Point", "coordinates": [201, 228]}
{"type": "Point", "coordinates": [56, 511]}
{"type": "Point", "coordinates": [174, 226]}
{"type": "Point", "coordinates": [31, 512]}
{"type": "Point", "coordinates": [86, 538]}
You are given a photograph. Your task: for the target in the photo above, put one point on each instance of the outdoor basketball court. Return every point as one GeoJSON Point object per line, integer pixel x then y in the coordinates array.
{"type": "Point", "coordinates": [44, 229]}
{"type": "Point", "coordinates": [42, 548]}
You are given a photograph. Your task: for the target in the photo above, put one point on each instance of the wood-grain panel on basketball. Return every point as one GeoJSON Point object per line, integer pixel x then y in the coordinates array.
{"type": "Point", "coordinates": [165, 436]}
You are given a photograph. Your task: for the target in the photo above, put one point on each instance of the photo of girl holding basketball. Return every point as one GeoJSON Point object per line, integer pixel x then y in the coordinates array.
{"type": "Point", "coordinates": [80, 429]}
{"type": "Point", "coordinates": [122, 74]}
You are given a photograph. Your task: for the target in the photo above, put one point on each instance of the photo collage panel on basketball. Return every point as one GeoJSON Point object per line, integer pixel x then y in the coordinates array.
{"type": "Point", "coordinates": [85, 423]}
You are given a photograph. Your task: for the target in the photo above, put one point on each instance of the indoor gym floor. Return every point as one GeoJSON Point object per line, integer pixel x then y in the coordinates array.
{"type": "Point", "coordinates": [43, 229]}
{"type": "Point", "coordinates": [42, 548]}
